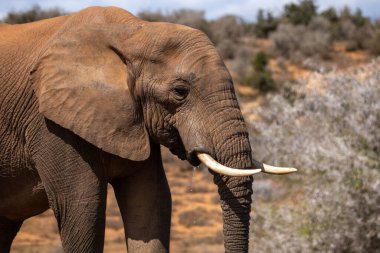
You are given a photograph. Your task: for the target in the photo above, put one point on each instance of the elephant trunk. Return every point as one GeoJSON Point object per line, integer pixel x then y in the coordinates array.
{"type": "Point", "coordinates": [235, 198]}
{"type": "Point", "coordinates": [235, 192]}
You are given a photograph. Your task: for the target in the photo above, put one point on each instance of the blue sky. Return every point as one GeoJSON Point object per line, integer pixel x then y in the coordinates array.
{"type": "Point", "coordinates": [213, 8]}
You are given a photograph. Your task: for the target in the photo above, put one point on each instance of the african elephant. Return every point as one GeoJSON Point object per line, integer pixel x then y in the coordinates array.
{"type": "Point", "coordinates": [87, 99]}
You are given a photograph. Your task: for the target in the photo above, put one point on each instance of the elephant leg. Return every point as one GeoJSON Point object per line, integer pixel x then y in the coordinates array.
{"type": "Point", "coordinates": [145, 203]}
{"type": "Point", "coordinates": [8, 231]}
{"type": "Point", "coordinates": [75, 182]}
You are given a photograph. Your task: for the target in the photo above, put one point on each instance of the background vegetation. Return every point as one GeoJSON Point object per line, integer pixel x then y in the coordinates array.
{"type": "Point", "coordinates": [332, 131]}
{"type": "Point", "coordinates": [309, 85]}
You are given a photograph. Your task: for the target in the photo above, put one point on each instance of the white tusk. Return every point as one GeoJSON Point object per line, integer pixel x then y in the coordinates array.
{"type": "Point", "coordinates": [221, 169]}
{"type": "Point", "coordinates": [272, 169]}
{"type": "Point", "coordinates": [227, 171]}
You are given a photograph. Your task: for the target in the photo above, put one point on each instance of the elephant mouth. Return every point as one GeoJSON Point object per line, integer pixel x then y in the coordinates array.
{"type": "Point", "coordinates": [181, 154]}
{"type": "Point", "coordinates": [177, 148]}
{"type": "Point", "coordinates": [180, 151]}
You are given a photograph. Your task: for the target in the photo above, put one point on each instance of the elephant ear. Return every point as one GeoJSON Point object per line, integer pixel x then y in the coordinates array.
{"type": "Point", "coordinates": [83, 83]}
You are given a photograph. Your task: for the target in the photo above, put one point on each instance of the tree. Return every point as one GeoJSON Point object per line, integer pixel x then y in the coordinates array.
{"type": "Point", "coordinates": [265, 24]}
{"type": "Point", "coordinates": [301, 13]}
{"type": "Point", "coordinates": [33, 14]}
{"type": "Point", "coordinates": [358, 19]}
{"type": "Point", "coordinates": [331, 15]}
{"type": "Point", "coordinates": [262, 77]}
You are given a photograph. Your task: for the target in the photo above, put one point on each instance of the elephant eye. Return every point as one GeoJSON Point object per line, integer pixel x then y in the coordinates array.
{"type": "Point", "coordinates": [181, 92]}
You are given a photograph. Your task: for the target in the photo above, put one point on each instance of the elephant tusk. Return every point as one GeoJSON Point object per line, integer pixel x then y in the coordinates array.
{"type": "Point", "coordinates": [221, 169]}
{"type": "Point", "coordinates": [227, 171]}
{"type": "Point", "coordinates": [273, 169]}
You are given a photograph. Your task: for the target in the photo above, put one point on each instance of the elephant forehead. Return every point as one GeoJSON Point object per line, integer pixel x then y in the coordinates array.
{"type": "Point", "coordinates": [167, 38]}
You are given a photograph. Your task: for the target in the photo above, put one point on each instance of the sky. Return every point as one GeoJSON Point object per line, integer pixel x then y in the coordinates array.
{"type": "Point", "coordinates": [246, 9]}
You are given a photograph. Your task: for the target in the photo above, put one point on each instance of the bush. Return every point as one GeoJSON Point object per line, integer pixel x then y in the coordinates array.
{"type": "Point", "coordinates": [301, 13]}
{"type": "Point", "coordinates": [316, 43]}
{"type": "Point", "coordinates": [331, 132]}
{"type": "Point", "coordinates": [265, 24]}
{"type": "Point", "coordinates": [152, 16]}
{"type": "Point", "coordinates": [317, 39]}
{"type": "Point", "coordinates": [263, 81]}
{"type": "Point", "coordinates": [291, 40]}
{"type": "Point", "coordinates": [373, 42]}
{"type": "Point", "coordinates": [359, 20]}
{"type": "Point", "coordinates": [261, 78]}
{"type": "Point", "coordinates": [355, 29]}
{"type": "Point", "coordinates": [240, 65]}
{"type": "Point", "coordinates": [227, 32]}
{"type": "Point", "coordinates": [34, 14]}
{"type": "Point", "coordinates": [286, 39]}
{"type": "Point", "coordinates": [260, 62]}
{"type": "Point", "coordinates": [356, 37]}
{"type": "Point", "coordinates": [227, 49]}
{"type": "Point", "coordinates": [319, 24]}
{"type": "Point", "coordinates": [193, 18]}
{"type": "Point", "coordinates": [330, 15]}
{"type": "Point", "coordinates": [228, 27]}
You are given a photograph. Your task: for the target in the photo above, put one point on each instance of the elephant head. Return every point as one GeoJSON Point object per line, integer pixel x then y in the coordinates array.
{"type": "Point", "coordinates": [126, 83]}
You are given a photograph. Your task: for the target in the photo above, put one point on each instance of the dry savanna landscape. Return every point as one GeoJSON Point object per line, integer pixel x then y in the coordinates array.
{"type": "Point", "coordinates": [308, 83]}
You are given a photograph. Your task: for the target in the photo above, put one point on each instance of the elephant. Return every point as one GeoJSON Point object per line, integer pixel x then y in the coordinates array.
{"type": "Point", "coordinates": [87, 99]}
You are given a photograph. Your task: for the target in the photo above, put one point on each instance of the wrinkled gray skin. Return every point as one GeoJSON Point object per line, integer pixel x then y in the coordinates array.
{"type": "Point", "coordinates": [86, 100]}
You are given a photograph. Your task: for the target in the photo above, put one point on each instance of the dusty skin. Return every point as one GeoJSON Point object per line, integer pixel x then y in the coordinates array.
{"type": "Point", "coordinates": [86, 101]}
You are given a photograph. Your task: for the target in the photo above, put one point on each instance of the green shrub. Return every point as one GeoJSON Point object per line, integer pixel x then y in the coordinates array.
{"type": "Point", "coordinates": [356, 37]}
{"type": "Point", "coordinates": [261, 78]}
{"type": "Point", "coordinates": [331, 15]}
{"type": "Point", "coordinates": [260, 62]}
{"type": "Point", "coordinates": [374, 42]}
{"type": "Point", "coordinates": [263, 81]}
{"type": "Point", "coordinates": [301, 13]}
{"type": "Point", "coordinates": [358, 19]}
{"type": "Point", "coordinates": [265, 24]}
